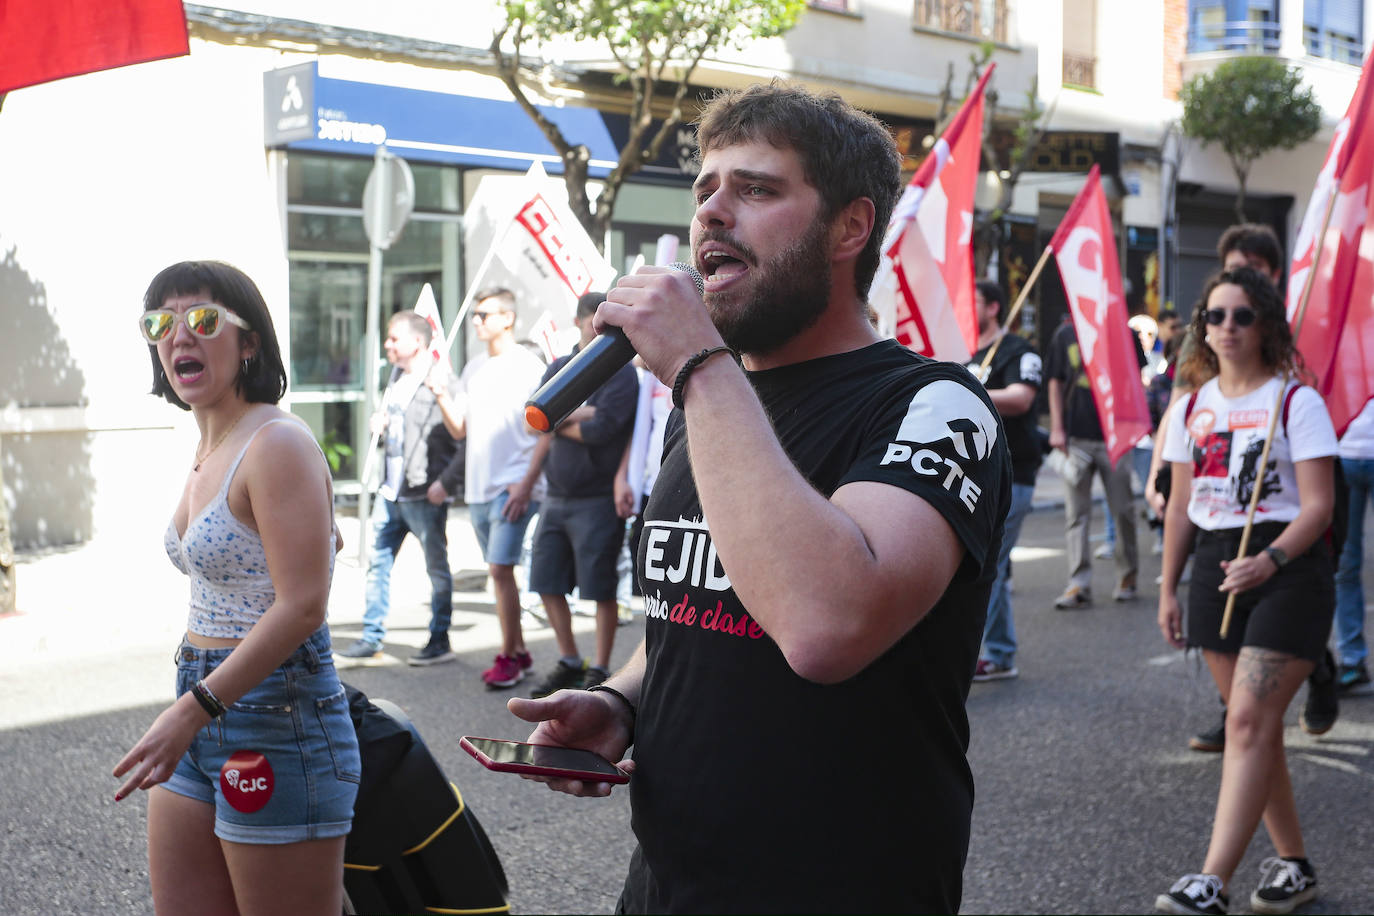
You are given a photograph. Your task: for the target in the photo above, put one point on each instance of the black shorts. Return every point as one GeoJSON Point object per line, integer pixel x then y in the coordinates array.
{"type": "Point", "coordinates": [578, 544]}
{"type": "Point", "coordinates": [1290, 613]}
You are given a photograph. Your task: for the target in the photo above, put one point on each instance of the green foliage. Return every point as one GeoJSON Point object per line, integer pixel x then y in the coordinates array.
{"type": "Point", "coordinates": [335, 451]}
{"type": "Point", "coordinates": [1249, 106]}
{"type": "Point", "coordinates": [655, 46]}
{"type": "Point", "coordinates": [643, 31]}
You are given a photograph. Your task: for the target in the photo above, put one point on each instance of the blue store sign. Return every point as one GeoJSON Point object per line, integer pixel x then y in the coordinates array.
{"type": "Point", "coordinates": [305, 111]}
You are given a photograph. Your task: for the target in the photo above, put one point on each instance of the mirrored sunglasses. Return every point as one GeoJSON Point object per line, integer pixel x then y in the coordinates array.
{"type": "Point", "coordinates": [204, 320]}
{"type": "Point", "coordinates": [1243, 317]}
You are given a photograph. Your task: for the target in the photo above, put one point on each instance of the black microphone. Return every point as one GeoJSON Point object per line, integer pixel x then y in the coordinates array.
{"type": "Point", "coordinates": [591, 368]}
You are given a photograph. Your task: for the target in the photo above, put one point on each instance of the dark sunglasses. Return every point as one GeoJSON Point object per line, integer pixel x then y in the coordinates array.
{"type": "Point", "coordinates": [1243, 316]}
{"type": "Point", "coordinates": [205, 320]}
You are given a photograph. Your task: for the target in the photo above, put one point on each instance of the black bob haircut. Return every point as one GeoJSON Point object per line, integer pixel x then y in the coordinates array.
{"type": "Point", "coordinates": [263, 380]}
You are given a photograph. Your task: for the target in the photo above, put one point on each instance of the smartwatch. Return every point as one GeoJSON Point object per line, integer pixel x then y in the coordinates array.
{"type": "Point", "coordinates": [1278, 556]}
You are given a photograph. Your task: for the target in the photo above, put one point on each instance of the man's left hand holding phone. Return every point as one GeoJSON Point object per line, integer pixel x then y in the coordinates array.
{"type": "Point", "coordinates": [595, 720]}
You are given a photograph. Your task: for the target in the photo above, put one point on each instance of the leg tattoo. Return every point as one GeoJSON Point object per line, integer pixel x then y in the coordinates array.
{"type": "Point", "coordinates": [1259, 670]}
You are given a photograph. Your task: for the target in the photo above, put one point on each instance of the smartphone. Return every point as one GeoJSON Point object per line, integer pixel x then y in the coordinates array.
{"type": "Point", "coordinates": [542, 760]}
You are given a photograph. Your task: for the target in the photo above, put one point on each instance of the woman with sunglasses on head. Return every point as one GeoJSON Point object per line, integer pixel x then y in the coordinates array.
{"type": "Point", "coordinates": [254, 769]}
{"type": "Point", "coordinates": [1283, 587]}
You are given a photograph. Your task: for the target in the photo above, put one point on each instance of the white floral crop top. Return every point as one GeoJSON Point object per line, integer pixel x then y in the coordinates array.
{"type": "Point", "coordinates": [225, 560]}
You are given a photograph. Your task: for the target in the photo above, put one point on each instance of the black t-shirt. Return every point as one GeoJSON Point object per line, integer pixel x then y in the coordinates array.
{"type": "Point", "coordinates": [757, 790]}
{"type": "Point", "coordinates": [581, 469]}
{"type": "Point", "coordinates": [1065, 362]}
{"type": "Point", "coordinates": [1015, 361]}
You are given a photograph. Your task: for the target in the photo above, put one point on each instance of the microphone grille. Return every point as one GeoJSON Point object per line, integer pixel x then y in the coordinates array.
{"type": "Point", "coordinates": [690, 271]}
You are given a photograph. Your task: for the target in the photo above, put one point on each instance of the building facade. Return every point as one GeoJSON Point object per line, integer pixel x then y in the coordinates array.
{"type": "Point", "coordinates": [255, 149]}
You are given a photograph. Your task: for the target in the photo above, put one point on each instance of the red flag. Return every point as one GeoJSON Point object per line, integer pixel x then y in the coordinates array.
{"type": "Point", "coordinates": [1085, 250]}
{"type": "Point", "coordinates": [1336, 337]}
{"type": "Point", "coordinates": [42, 40]}
{"type": "Point", "coordinates": [930, 241]}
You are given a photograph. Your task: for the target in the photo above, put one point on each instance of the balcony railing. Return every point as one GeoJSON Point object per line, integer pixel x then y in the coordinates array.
{"type": "Point", "coordinates": [1080, 71]}
{"type": "Point", "coordinates": [982, 19]}
{"type": "Point", "coordinates": [1330, 46]}
{"type": "Point", "coordinates": [1248, 37]}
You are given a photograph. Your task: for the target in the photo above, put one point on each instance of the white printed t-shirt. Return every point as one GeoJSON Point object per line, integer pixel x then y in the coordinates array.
{"type": "Point", "coordinates": [492, 392]}
{"type": "Point", "coordinates": [1223, 439]}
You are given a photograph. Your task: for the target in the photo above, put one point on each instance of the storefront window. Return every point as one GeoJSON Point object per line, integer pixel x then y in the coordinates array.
{"type": "Point", "coordinates": [327, 308]}
{"type": "Point", "coordinates": [328, 253]}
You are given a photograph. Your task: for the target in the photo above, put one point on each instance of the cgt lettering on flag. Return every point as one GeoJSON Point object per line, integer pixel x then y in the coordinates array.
{"type": "Point", "coordinates": [539, 220]}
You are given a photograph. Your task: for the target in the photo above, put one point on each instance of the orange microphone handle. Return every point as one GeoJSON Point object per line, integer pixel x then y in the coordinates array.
{"type": "Point", "coordinates": [570, 387]}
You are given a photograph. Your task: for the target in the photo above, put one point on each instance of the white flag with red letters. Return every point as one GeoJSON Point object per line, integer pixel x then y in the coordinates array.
{"type": "Point", "coordinates": [542, 254]}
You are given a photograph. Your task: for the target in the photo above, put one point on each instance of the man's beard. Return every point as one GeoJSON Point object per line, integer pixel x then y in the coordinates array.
{"type": "Point", "coordinates": [788, 295]}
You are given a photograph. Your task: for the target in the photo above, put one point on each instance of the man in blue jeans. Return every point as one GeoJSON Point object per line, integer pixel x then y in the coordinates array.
{"type": "Point", "coordinates": [1012, 380]}
{"type": "Point", "coordinates": [421, 470]}
{"type": "Point", "coordinates": [1357, 464]}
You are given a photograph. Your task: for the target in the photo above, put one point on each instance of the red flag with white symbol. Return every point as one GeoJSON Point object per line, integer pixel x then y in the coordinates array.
{"type": "Point", "coordinates": [42, 40]}
{"type": "Point", "coordinates": [929, 241]}
{"type": "Point", "coordinates": [1085, 251]}
{"type": "Point", "coordinates": [1336, 337]}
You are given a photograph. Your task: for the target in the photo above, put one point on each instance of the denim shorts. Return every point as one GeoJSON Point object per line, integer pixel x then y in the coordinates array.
{"type": "Point", "coordinates": [578, 544]}
{"type": "Point", "coordinates": [501, 541]}
{"type": "Point", "coordinates": [281, 766]}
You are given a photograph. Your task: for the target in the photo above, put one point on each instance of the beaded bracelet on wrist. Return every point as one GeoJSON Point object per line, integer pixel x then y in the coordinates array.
{"type": "Point", "coordinates": [623, 699]}
{"type": "Point", "coordinates": [696, 359]}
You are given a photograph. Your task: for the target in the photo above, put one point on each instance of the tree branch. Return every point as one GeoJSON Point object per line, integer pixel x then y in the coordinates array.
{"type": "Point", "coordinates": [575, 157]}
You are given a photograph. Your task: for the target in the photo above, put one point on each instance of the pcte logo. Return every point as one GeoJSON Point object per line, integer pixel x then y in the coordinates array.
{"type": "Point", "coordinates": [945, 412]}
{"type": "Point", "coordinates": [246, 781]}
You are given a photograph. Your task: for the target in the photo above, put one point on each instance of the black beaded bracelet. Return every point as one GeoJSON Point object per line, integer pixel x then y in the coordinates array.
{"type": "Point", "coordinates": [207, 699]}
{"type": "Point", "coordinates": [696, 359]}
{"type": "Point", "coordinates": [624, 699]}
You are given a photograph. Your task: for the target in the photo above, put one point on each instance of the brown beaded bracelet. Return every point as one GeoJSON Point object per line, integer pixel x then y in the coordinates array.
{"type": "Point", "coordinates": [696, 359]}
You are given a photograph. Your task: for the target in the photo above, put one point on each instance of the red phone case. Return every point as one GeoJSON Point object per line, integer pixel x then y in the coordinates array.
{"type": "Point", "coordinates": [502, 766]}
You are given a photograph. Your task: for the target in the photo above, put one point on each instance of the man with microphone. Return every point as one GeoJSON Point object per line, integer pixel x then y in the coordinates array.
{"type": "Point", "coordinates": [817, 553]}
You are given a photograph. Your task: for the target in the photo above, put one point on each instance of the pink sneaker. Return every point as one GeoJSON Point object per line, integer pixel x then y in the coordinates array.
{"type": "Point", "coordinates": [505, 672]}
{"type": "Point", "coordinates": [526, 662]}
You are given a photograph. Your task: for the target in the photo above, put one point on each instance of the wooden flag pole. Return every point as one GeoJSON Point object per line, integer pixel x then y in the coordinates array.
{"type": "Point", "coordinates": [1015, 310]}
{"type": "Point", "coordinates": [1278, 405]}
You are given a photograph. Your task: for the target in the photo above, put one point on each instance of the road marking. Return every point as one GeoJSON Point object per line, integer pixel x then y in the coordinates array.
{"type": "Point", "coordinates": [1021, 554]}
{"type": "Point", "coordinates": [1344, 766]}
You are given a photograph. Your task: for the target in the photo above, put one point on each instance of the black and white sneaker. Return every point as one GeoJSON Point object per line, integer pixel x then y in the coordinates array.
{"type": "Point", "coordinates": [435, 652]}
{"type": "Point", "coordinates": [1285, 884]}
{"type": "Point", "coordinates": [1194, 894]}
{"type": "Point", "coordinates": [563, 676]}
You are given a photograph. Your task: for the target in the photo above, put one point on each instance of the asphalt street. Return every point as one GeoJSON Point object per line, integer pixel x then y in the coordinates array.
{"type": "Point", "coordinates": [1088, 800]}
